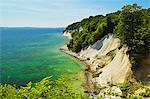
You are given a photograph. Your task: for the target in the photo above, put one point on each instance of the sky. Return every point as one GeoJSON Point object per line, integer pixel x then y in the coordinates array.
{"type": "Point", "coordinates": [56, 13]}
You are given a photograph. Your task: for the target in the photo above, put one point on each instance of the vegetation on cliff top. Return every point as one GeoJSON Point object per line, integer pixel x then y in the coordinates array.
{"type": "Point", "coordinates": [131, 25]}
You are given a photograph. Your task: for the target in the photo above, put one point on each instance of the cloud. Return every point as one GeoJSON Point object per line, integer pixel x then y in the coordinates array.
{"type": "Point", "coordinates": [54, 12]}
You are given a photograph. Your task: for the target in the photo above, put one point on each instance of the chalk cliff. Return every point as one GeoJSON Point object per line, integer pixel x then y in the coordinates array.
{"type": "Point", "coordinates": [107, 64]}
{"type": "Point", "coordinates": [106, 59]}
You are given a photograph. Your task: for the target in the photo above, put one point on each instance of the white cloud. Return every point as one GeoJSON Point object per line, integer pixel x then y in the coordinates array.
{"type": "Point", "coordinates": [52, 12]}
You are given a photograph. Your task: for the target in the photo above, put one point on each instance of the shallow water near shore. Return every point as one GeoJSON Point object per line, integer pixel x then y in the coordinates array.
{"type": "Point", "coordinates": [30, 54]}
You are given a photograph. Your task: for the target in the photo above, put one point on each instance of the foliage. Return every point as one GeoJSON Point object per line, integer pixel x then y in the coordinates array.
{"type": "Point", "coordinates": [134, 30]}
{"type": "Point", "coordinates": [46, 88]}
{"type": "Point", "coordinates": [131, 25]}
{"type": "Point", "coordinates": [134, 90]}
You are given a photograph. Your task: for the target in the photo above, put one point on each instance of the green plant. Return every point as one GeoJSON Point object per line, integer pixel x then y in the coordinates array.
{"type": "Point", "coordinates": [46, 88]}
{"type": "Point", "coordinates": [131, 25]}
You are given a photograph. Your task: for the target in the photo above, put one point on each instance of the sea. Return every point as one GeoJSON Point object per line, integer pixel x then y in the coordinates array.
{"type": "Point", "coordinates": [30, 54]}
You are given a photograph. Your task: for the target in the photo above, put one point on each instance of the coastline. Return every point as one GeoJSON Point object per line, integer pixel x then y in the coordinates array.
{"type": "Point", "coordinates": [87, 72]}
{"type": "Point", "coordinates": [118, 65]}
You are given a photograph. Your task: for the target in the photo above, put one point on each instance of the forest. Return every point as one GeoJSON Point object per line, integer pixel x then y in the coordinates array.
{"type": "Point", "coordinates": [131, 24]}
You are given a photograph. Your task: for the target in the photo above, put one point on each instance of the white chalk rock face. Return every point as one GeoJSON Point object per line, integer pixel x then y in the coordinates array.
{"type": "Point", "coordinates": [99, 50]}
{"type": "Point", "coordinates": [67, 34]}
{"type": "Point", "coordinates": [115, 68]}
{"type": "Point", "coordinates": [116, 90]}
{"type": "Point", "coordinates": [108, 45]}
{"type": "Point", "coordinates": [93, 50]}
{"type": "Point", "coordinates": [117, 71]}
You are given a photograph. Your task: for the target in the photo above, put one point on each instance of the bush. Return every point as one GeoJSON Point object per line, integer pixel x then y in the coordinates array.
{"type": "Point", "coordinates": [46, 88]}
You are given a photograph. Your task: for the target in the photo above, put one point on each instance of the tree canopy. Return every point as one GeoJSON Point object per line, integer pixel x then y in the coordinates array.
{"type": "Point", "coordinates": [131, 24]}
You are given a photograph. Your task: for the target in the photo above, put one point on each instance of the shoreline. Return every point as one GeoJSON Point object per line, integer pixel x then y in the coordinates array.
{"type": "Point", "coordinates": [87, 73]}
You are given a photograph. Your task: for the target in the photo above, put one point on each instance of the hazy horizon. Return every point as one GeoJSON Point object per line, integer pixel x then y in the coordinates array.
{"type": "Point", "coordinates": [56, 13]}
{"type": "Point", "coordinates": [27, 27]}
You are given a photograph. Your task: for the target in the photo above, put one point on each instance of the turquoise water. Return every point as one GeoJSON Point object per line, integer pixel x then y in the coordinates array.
{"type": "Point", "coordinates": [30, 54]}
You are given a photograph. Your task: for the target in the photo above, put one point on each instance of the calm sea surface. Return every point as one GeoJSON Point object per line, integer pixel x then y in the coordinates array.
{"type": "Point", "coordinates": [30, 54]}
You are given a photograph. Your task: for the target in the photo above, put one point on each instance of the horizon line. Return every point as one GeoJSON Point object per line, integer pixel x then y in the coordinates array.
{"type": "Point", "coordinates": [27, 27]}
